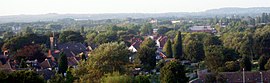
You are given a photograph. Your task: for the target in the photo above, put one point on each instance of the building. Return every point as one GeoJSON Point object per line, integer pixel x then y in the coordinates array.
{"type": "Point", "coordinates": [207, 29]}
{"type": "Point", "coordinates": [237, 77]}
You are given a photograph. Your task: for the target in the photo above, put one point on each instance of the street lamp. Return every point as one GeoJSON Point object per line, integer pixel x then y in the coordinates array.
{"type": "Point", "coordinates": [261, 77]}
{"type": "Point", "coordinates": [244, 75]}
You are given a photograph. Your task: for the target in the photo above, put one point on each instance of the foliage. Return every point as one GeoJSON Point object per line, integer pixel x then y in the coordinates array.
{"type": "Point", "coordinates": [21, 76]}
{"type": "Point", "coordinates": [68, 36]}
{"type": "Point", "coordinates": [262, 40]}
{"type": "Point", "coordinates": [215, 78]}
{"type": "Point", "coordinates": [57, 78]}
{"type": "Point", "coordinates": [146, 29]}
{"type": "Point", "coordinates": [246, 63]}
{"type": "Point", "coordinates": [171, 33]}
{"type": "Point", "coordinates": [23, 64]}
{"type": "Point", "coordinates": [90, 36]}
{"type": "Point", "coordinates": [168, 49]}
{"type": "Point", "coordinates": [160, 64]}
{"type": "Point", "coordinates": [31, 52]}
{"type": "Point", "coordinates": [210, 78]}
{"type": "Point", "coordinates": [107, 58]}
{"type": "Point", "coordinates": [267, 65]}
{"type": "Point", "coordinates": [146, 55]}
{"type": "Point", "coordinates": [8, 34]}
{"type": "Point", "coordinates": [18, 42]}
{"type": "Point", "coordinates": [232, 66]}
{"type": "Point", "coordinates": [212, 40]}
{"type": "Point", "coordinates": [262, 61]}
{"type": "Point", "coordinates": [111, 56]}
{"type": "Point", "coordinates": [193, 51]}
{"type": "Point", "coordinates": [173, 72]}
{"type": "Point", "coordinates": [241, 42]}
{"type": "Point", "coordinates": [69, 76]}
{"type": "Point", "coordinates": [177, 48]}
{"type": "Point", "coordinates": [115, 77]}
{"type": "Point", "coordinates": [86, 71]}
{"type": "Point", "coordinates": [141, 79]}
{"type": "Point", "coordinates": [162, 30]}
{"type": "Point", "coordinates": [62, 63]}
{"type": "Point", "coordinates": [216, 56]}
{"type": "Point", "coordinates": [105, 38]}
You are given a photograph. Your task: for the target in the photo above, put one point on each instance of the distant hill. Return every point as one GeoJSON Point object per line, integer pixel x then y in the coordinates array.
{"type": "Point", "coordinates": [239, 11]}
{"type": "Point", "coordinates": [254, 11]}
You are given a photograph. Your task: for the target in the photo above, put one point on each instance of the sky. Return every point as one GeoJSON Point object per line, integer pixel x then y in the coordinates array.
{"type": "Point", "coordinates": [32, 7]}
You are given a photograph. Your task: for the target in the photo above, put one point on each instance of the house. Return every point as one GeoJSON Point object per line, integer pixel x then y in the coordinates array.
{"type": "Point", "coordinates": [135, 46]}
{"type": "Point", "coordinates": [71, 49]}
{"type": "Point", "coordinates": [176, 21]}
{"type": "Point", "coordinates": [161, 41]}
{"type": "Point", "coordinates": [155, 31]}
{"type": "Point", "coordinates": [72, 61]}
{"type": "Point", "coordinates": [237, 77]}
{"type": "Point", "coordinates": [207, 29]}
{"type": "Point", "coordinates": [47, 64]}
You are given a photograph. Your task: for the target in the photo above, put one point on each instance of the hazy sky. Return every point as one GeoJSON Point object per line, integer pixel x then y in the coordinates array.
{"type": "Point", "coordinates": [14, 7]}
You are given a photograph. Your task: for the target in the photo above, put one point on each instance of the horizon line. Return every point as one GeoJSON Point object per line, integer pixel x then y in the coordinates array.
{"type": "Point", "coordinates": [127, 12]}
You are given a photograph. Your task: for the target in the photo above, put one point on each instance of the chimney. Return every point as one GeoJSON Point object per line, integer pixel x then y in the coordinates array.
{"type": "Point", "coordinates": [52, 42]}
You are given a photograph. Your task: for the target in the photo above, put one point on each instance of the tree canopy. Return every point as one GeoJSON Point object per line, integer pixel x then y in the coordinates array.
{"type": "Point", "coordinates": [173, 72]}
{"type": "Point", "coordinates": [168, 49]}
{"type": "Point", "coordinates": [177, 48]}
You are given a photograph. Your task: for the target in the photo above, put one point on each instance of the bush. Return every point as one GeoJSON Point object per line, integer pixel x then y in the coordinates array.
{"type": "Point", "coordinates": [21, 76]}
{"type": "Point", "coordinates": [142, 79]}
{"type": "Point", "coordinates": [115, 77]}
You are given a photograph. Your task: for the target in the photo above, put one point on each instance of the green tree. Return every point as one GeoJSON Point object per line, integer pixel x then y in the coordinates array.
{"type": "Point", "coordinates": [87, 72]}
{"type": "Point", "coordinates": [215, 58]}
{"type": "Point", "coordinates": [241, 42]}
{"type": "Point", "coordinates": [146, 29]}
{"type": "Point", "coordinates": [168, 49]}
{"type": "Point", "coordinates": [68, 36]}
{"type": "Point", "coordinates": [177, 48]}
{"type": "Point", "coordinates": [246, 63]}
{"type": "Point", "coordinates": [57, 78]}
{"type": "Point", "coordinates": [261, 40]}
{"type": "Point", "coordinates": [28, 30]}
{"type": "Point", "coordinates": [267, 65]}
{"type": "Point", "coordinates": [212, 40]}
{"type": "Point", "coordinates": [142, 79]}
{"type": "Point", "coordinates": [193, 51]}
{"type": "Point", "coordinates": [107, 58]}
{"type": "Point", "coordinates": [8, 34]}
{"type": "Point", "coordinates": [162, 30]}
{"type": "Point", "coordinates": [115, 77]}
{"type": "Point", "coordinates": [262, 61]}
{"type": "Point", "coordinates": [69, 76]}
{"type": "Point", "coordinates": [18, 42]}
{"type": "Point", "coordinates": [62, 63]}
{"type": "Point", "coordinates": [146, 54]}
{"type": "Point", "coordinates": [24, 77]}
{"type": "Point", "coordinates": [232, 66]}
{"type": "Point", "coordinates": [111, 57]}
{"type": "Point", "coordinates": [106, 37]}
{"type": "Point", "coordinates": [173, 72]}
{"type": "Point", "coordinates": [82, 30]}
{"type": "Point", "coordinates": [215, 78]}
